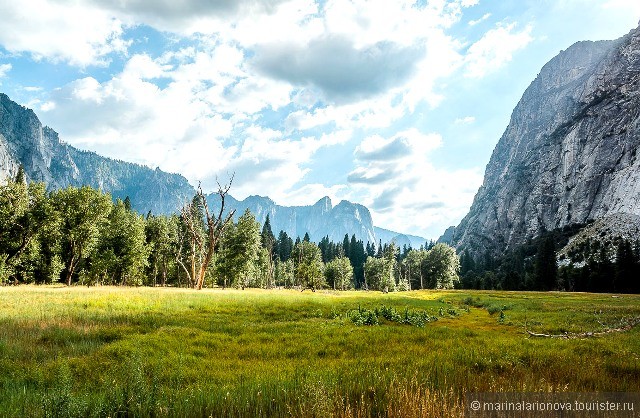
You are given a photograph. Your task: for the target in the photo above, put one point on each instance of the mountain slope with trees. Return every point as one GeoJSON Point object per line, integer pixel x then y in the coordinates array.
{"type": "Point", "coordinates": [45, 158]}
{"type": "Point", "coordinates": [25, 142]}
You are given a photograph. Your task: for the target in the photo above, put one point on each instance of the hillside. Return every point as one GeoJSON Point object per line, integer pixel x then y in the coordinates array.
{"type": "Point", "coordinates": [23, 140]}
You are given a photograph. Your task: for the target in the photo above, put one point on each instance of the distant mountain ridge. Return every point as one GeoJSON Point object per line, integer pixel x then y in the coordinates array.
{"type": "Point", "coordinates": [24, 141]}
{"type": "Point", "coordinates": [401, 240]}
{"type": "Point", "coordinates": [319, 220]}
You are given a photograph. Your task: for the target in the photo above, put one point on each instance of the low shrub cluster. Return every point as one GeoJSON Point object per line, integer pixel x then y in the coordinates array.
{"type": "Point", "coordinates": [417, 318]}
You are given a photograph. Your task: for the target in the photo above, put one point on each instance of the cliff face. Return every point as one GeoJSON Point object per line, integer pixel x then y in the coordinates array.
{"type": "Point", "coordinates": [569, 152]}
{"type": "Point", "coordinates": [23, 140]}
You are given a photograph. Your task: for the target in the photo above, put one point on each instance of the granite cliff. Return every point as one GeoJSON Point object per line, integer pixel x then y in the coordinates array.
{"type": "Point", "coordinates": [319, 220]}
{"type": "Point", "coordinates": [569, 153]}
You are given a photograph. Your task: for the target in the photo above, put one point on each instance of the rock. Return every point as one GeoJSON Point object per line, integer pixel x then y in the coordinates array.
{"type": "Point", "coordinates": [319, 220]}
{"type": "Point", "coordinates": [569, 153]}
{"type": "Point", "coordinates": [447, 236]}
{"type": "Point", "coordinates": [607, 231]}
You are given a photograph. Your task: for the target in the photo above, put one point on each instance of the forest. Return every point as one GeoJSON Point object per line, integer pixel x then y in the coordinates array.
{"type": "Point", "coordinates": [598, 265]}
{"type": "Point", "coordinates": [81, 236]}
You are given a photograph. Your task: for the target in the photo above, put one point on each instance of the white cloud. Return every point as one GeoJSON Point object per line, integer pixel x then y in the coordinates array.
{"type": "Point", "coordinates": [404, 190]}
{"type": "Point", "coordinates": [467, 120]}
{"type": "Point", "coordinates": [201, 124]}
{"type": "Point", "coordinates": [373, 113]}
{"type": "Point", "coordinates": [274, 165]}
{"type": "Point", "coordinates": [495, 49]}
{"type": "Point", "coordinates": [131, 119]}
{"type": "Point", "coordinates": [336, 67]}
{"type": "Point", "coordinates": [261, 88]}
{"type": "Point", "coordinates": [80, 34]}
{"type": "Point", "coordinates": [480, 20]}
{"type": "Point", "coordinates": [4, 69]}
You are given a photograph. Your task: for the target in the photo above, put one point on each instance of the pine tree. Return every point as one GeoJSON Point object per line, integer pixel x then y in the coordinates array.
{"type": "Point", "coordinates": [625, 267]}
{"type": "Point", "coordinates": [370, 249]}
{"type": "Point", "coordinates": [345, 245]}
{"type": "Point", "coordinates": [127, 204]}
{"type": "Point", "coordinates": [324, 249]}
{"type": "Point", "coordinates": [546, 268]}
{"type": "Point", "coordinates": [353, 250]}
{"type": "Point", "coordinates": [467, 263]}
{"type": "Point", "coordinates": [285, 246]}
{"type": "Point", "coordinates": [20, 176]}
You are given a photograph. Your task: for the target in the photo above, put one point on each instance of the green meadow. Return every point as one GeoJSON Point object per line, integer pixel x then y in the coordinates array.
{"type": "Point", "coordinates": [108, 351]}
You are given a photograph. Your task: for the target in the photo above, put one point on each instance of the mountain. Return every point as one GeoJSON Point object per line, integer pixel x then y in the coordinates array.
{"type": "Point", "coordinates": [23, 140]}
{"type": "Point", "coordinates": [400, 239]}
{"type": "Point", "coordinates": [569, 153]}
{"type": "Point", "coordinates": [319, 220]}
{"type": "Point", "coordinates": [447, 236]}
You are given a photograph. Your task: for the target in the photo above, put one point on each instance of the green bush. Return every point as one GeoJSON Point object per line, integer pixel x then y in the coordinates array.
{"type": "Point", "coordinates": [363, 317]}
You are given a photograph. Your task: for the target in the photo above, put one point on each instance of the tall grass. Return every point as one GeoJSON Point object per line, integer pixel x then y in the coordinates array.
{"type": "Point", "coordinates": [172, 352]}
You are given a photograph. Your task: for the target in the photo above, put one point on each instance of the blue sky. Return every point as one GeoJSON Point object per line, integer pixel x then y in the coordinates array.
{"type": "Point", "coordinates": [393, 104]}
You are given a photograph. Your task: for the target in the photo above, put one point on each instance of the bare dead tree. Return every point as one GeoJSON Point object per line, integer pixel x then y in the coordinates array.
{"type": "Point", "coordinates": [191, 236]}
{"type": "Point", "coordinates": [202, 246]}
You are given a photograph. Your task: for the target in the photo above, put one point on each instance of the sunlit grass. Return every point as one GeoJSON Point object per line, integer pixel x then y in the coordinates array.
{"type": "Point", "coordinates": [175, 352]}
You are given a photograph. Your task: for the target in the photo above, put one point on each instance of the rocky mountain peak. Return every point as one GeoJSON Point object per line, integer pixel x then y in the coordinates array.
{"type": "Point", "coordinates": [324, 203]}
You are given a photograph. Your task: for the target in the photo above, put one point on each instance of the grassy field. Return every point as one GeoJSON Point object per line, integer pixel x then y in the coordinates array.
{"type": "Point", "coordinates": [171, 352]}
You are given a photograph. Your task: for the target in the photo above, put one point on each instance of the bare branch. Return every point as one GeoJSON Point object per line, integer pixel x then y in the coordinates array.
{"type": "Point", "coordinates": [625, 325]}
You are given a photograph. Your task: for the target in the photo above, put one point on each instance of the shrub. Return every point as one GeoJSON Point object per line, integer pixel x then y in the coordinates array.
{"type": "Point", "coordinates": [363, 317]}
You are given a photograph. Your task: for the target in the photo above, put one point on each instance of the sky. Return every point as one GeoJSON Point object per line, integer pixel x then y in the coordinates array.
{"type": "Point", "coordinates": [396, 105]}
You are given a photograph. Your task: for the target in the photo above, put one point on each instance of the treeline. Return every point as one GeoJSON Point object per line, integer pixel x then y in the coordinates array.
{"type": "Point", "coordinates": [80, 236]}
{"type": "Point", "coordinates": [596, 265]}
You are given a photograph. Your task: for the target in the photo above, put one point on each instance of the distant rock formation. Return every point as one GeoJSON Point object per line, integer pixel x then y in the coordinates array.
{"type": "Point", "coordinates": [318, 220]}
{"type": "Point", "coordinates": [447, 236]}
{"type": "Point", "coordinates": [605, 232]}
{"type": "Point", "coordinates": [401, 240]}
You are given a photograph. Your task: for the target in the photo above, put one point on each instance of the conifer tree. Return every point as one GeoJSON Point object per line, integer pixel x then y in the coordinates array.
{"type": "Point", "coordinates": [546, 269]}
